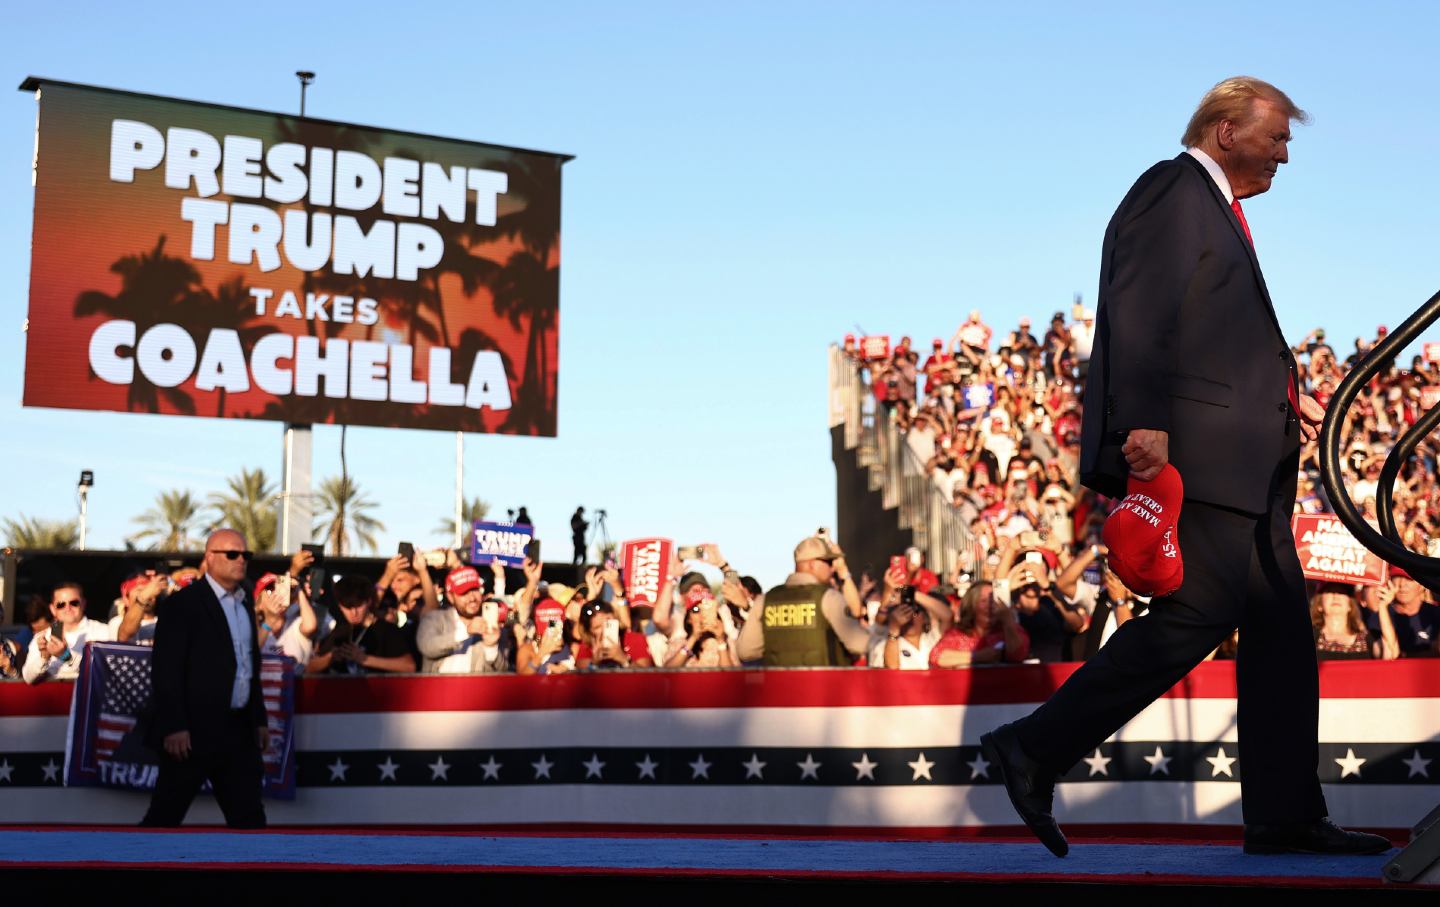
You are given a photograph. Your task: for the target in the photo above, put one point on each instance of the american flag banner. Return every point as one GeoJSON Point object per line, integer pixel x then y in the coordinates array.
{"type": "Point", "coordinates": [110, 710]}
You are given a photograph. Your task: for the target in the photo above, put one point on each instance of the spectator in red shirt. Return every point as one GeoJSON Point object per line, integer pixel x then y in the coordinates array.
{"type": "Point", "coordinates": [937, 367]}
{"type": "Point", "coordinates": [985, 632]}
{"type": "Point", "coordinates": [604, 644]}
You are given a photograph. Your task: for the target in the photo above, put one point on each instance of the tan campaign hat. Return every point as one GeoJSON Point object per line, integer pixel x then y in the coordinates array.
{"type": "Point", "coordinates": [816, 549]}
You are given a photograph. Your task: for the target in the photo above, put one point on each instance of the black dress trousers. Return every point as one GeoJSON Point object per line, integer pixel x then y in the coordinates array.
{"type": "Point", "coordinates": [1240, 570]}
{"type": "Point", "coordinates": [235, 772]}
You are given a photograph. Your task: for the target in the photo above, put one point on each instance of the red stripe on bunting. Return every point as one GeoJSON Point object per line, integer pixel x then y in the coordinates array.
{"type": "Point", "coordinates": [819, 688]}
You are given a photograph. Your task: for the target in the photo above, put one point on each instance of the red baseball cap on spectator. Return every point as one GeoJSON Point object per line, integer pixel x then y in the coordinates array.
{"type": "Point", "coordinates": [462, 580]}
{"type": "Point", "coordinates": [548, 609]}
{"type": "Point", "coordinates": [133, 583]}
{"type": "Point", "coordinates": [1143, 535]}
{"type": "Point", "coordinates": [265, 582]}
{"type": "Point", "coordinates": [937, 343]}
{"type": "Point", "coordinates": [1399, 573]}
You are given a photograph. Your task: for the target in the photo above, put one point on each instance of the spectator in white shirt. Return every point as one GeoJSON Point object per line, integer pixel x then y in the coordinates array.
{"type": "Point", "coordinates": [1082, 339]}
{"type": "Point", "coordinates": [907, 626]}
{"type": "Point", "coordinates": [281, 630]}
{"type": "Point", "coordinates": [56, 653]}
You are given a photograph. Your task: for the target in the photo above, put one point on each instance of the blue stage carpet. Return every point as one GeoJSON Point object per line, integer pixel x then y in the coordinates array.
{"type": "Point", "coordinates": [772, 858]}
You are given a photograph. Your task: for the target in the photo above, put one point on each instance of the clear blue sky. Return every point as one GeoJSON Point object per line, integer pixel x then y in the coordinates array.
{"type": "Point", "coordinates": [752, 180]}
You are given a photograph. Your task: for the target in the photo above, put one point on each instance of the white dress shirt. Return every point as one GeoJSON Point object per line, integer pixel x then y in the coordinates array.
{"type": "Point", "coordinates": [1215, 172]}
{"type": "Point", "coordinates": [238, 618]}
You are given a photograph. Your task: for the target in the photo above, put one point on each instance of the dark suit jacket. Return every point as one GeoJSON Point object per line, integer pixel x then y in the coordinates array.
{"type": "Point", "coordinates": [192, 669]}
{"type": "Point", "coordinates": [1187, 342]}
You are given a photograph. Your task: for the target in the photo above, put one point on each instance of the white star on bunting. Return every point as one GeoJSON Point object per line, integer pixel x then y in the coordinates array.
{"type": "Point", "coordinates": [542, 768]}
{"type": "Point", "coordinates": [647, 768]}
{"type": "Point", "coordinates": [1099, 765]}
{"type": "Point", "coordinates": [1159, 762]}
{"type": "Point", "coordinates": [864, 768]}
{"type": "Point", "coordinates": [387, 769]}
{"type": "Point", "coordinates": [979, 768]}
{"type": "Point", "coordinates": [921, 768]}
{"type": "Point", "coordinates": [754, 768]}
{"type": "Point", "coordinates": [1416, 765]}
{"type": "Point", "coordinates": [700, 768]}
{"type": "Point", "coordinates": [491, 769]}
{"type": "Point", "coordinates": [1350, 765]}
{"type": "Point", "coordinates": [51, 770]}
{"type": "Point", "coordinates": [809, 768]}
{"type": "Point", "coordinates": [594, 766]}
{"type": "Point", "coordinates": [5, 769]}
{"type": "Point", "coordinates": [1220, 763]}
{"type": "Point", "coordinates": [439, 771]}
{"type": "Point", "coordinates": [338, 770]}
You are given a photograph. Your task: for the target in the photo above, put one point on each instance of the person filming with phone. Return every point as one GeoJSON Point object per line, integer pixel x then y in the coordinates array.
{"type": "Point", "coordinates": [55, 653]}
{"type": "Point", "coordinates": [466, 638]}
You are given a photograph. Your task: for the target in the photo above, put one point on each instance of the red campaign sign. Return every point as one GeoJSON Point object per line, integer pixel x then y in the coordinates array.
{"type": "Point", "coordinates": [1431, 352]}
{"type": "Point", "coordinates": [646, 563]}
{"type": "Point", "coordinates": [875, 347]}
{"type": "Point", "coordinates": [1329, 552]}
{"type": "Point", "coordinates": [1429, 396]}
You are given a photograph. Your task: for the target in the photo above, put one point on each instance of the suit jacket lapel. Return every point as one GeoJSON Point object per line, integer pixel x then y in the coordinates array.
{"type": "Point", "coordinates": [1240, 234]}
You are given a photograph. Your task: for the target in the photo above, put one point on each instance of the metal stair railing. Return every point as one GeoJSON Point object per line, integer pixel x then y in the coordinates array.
{"type": "Point", "coordinates": [896, 473]}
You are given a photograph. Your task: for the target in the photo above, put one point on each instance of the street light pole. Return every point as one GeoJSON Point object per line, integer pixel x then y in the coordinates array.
{"type": "Point", "coordinates": [87, 478]}
{"type": "Point", "coordinates": [296, 517]}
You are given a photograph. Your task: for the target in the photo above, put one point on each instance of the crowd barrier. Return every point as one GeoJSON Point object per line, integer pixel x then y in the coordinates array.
{"type": "Point", "coordinates": [771, 749]}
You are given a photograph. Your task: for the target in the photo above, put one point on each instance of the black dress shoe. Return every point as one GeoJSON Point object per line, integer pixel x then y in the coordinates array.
{"type": "Point", "coordinates": [1030, 785]}
{"type": "Point", "coordinates": [1319, 836]}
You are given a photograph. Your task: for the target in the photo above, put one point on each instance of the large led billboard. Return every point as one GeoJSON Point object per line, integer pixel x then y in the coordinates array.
{"type": "Point", "coordinates": [200, 260]}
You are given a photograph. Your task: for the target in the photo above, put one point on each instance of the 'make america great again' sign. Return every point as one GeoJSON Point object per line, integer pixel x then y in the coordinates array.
{"type": "Point", "coordinates": [198, 260]}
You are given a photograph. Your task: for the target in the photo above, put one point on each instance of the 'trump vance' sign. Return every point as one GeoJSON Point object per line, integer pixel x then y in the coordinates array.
{"type": "Point", "coordinates": [192, 259]}
{"type": "Point", "coordinates": [504, 542]}
{"type": "Point", "coordinates": [1328, 552]}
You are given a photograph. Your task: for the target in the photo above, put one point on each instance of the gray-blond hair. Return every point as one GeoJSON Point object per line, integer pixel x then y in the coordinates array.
{"type": "Point", "coordinates": [1234, 99]}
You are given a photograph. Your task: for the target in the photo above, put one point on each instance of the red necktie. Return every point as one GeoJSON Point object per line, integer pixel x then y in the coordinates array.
{"type": "Point", "coordinates": [1293, 391]}
{"type": "Point", "coordinates": [1240, 213]}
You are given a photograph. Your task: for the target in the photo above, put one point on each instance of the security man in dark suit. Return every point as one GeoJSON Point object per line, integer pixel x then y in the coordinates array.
{"type": "Point", "coordinates": [209, 713]}
{"type": "Point", "coordinates": [1190, 367]}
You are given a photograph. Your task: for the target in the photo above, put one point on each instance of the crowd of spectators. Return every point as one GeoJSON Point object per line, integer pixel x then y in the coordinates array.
{"type": "Point", "coordinates": [992, 419]}
{"type": "Point", "coordinates": [994, 425]}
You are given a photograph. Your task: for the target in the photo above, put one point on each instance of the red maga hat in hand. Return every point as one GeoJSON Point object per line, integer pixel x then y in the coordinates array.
{"type": "Point", "coordinates": [1143, 535]}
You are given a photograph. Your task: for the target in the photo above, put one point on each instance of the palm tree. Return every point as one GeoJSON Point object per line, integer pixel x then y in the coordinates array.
{"type": "Point", "coordinates": [231, 307]}
{"type": "Point", "coordinates": [248, 506]}
{"type": "Point", "coordinates": [33, 532]}
{"type": "Point", "coordinates": [154, 288]}
{"type": "Point", "coordinates": [473, 511]}
{"type": "Point", "coordinates": [343, 514]}
{"type": "Point", "coordinates": [169, 524]}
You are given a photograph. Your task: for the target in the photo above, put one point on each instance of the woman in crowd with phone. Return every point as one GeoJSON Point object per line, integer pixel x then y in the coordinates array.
{"type": "Point", "coordinates": [709, 641]}
{"type": "Point", "coordinates": [985, 632]}
{"type": "Point", "coordinates": [280, 631]}
{"type": "Point", "coordinates": [604, 645]}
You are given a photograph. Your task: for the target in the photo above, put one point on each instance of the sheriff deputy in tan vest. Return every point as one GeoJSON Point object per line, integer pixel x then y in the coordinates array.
{"type": "Point", "coordinates": [808, 621]}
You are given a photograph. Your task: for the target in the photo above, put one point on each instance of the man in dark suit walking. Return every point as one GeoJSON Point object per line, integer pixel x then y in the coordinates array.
{"type": "Point", "coordinates": [209, 714]}
{"type": "Point", "coordinates": [1190, 367]}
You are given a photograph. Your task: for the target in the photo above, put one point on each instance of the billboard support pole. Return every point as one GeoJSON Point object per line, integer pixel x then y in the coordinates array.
{"type": "Point", "coordinates": [459, 488]}
{"type": "Point", "coordinates": [296, 519]}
